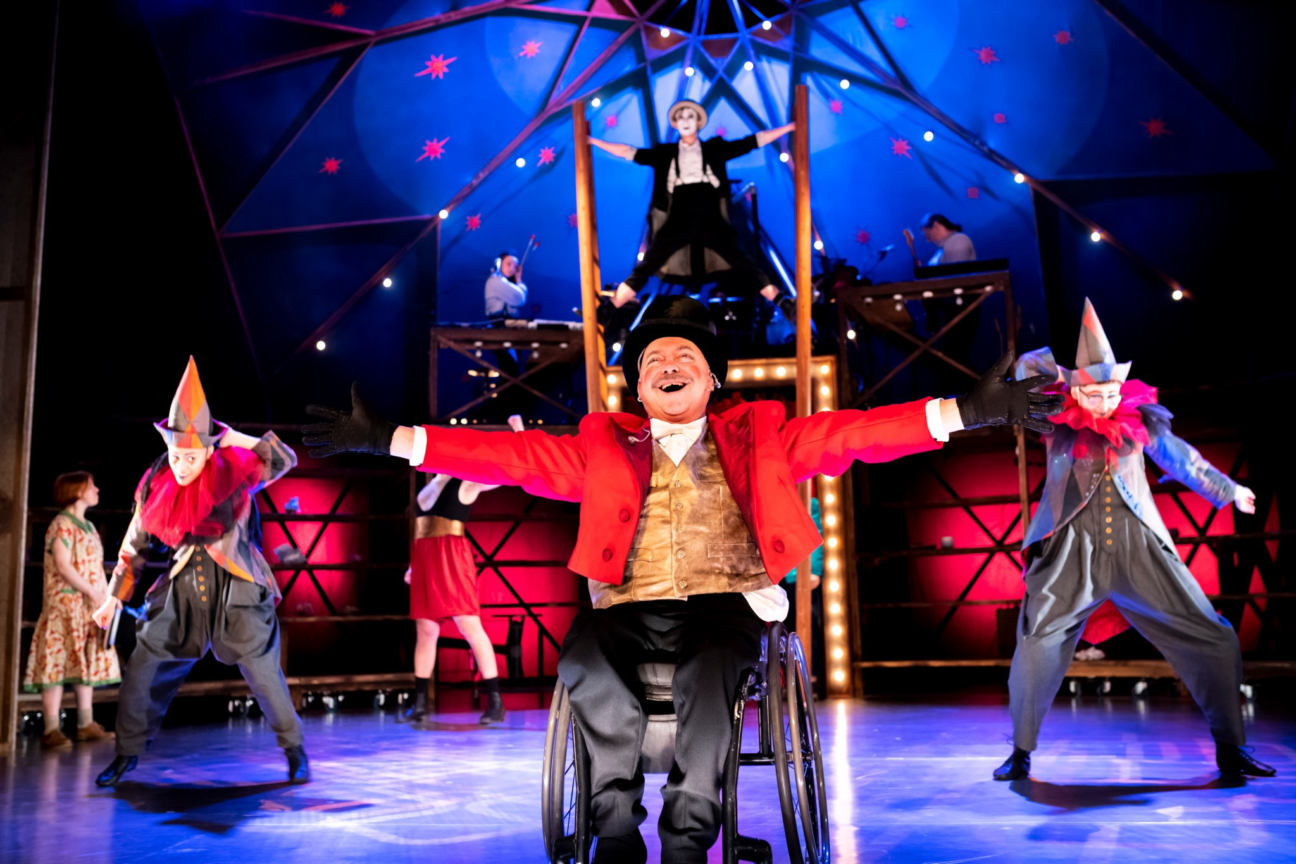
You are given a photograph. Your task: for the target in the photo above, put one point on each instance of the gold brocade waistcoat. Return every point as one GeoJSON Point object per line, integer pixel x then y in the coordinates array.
{"type": "Point", "coordinates": [691, 537]}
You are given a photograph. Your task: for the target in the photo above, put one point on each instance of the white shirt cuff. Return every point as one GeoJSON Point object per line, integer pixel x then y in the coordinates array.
{"type": "Point", "coordinates": [419, 450]}
{"type": "Point", "coordinates": [934, 423]}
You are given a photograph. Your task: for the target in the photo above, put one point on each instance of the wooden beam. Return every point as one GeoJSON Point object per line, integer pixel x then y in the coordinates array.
{"type": "Point", "coordinates": [587, 231]}
{"type": "Point", "coordinates": [801, 273]}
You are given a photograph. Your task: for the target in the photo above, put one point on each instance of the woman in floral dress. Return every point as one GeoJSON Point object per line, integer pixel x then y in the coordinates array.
{"type": "Point", "coordinates": [67, 647]}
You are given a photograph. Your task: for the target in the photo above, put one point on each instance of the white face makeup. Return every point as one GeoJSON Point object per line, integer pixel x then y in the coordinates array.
{"type": "Point", "coordinates": [685, 122]}
{"type": "Point", "coordinates": [1099, 400]}
{"type": "Point", "coordinates": [187, 462]}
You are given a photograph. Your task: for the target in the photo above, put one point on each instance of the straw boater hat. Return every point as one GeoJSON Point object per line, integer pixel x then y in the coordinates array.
{"type": "Point", "coordinates": [190, 424]}
{"type": "Point", "coordinates": [679, 316]}
{"type": "Point", "coordinates": [688, 103]}
{"type": "Point", "coordinates": [1095, 360]}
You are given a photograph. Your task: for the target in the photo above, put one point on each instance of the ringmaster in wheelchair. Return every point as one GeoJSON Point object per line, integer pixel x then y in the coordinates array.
{"type": "Point", "coordinates": [688, 520]}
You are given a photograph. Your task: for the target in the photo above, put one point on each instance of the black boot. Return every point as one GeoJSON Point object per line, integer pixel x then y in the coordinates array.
{"type": "Point", "coordinates": [113, 773]}
{"type": "Point", "coordinates": [623, 849]}
{"type": "Point", "coordinates": [1015, 767]}
{"type": "Point", "coordinates": [298, 765]}
{"type": "Point", "coordinates": [494, 712]}
{"type": "Point", "coordinates": [417, 712]}
{"type": "Point", "coordinates": [1235, 761]}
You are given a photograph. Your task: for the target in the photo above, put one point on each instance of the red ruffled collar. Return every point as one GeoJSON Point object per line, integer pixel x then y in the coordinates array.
{"type": "Point", "coordinates": [1125, 422]}
{"type": "Point", "coordinates": [173, 511]}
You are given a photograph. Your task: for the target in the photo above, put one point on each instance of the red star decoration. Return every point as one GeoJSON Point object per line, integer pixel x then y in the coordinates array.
{"type": "Point", "coordinates": [1000, 117]}
{"type": "Point", "coordinates": [474, 222]}
{"type": "Point", "coordinates": [530, 49]}
{"type": "Point", "coordinates": [546, 155]}
{"type": "Point", "coordinates": [862, 236]}
{"type": "Point", "coordinates": [900, 22]}
{"type": "Point", "coordinates": [974, 192]}
{"type": "Point", "coordinates": [331, 166]}
{"type": "Point", "coordinates": [432, 149]}
{"type": "Point", "coordinates": [337, 10]}
{"type": "Point", "coordinates": [571, 220]}
{"type": "Point", "coordinates": [986, 55]}
{"type": "Point", "coordinates": [611, 121]}
{"type": "Point", "coordinates": [1063, 37]}
{"type": "Point", "coordinates": [436, 67]}
{"type": "Point", "coordinates": [901, 147]}
{"type": "Point", "coordinates": [1156, 127]}
{"type": "Point", "coordinates": [835, 106]}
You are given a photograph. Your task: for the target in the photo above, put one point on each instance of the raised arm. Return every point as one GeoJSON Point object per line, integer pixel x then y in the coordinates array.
{"type": "Point", "coordinates": [625, 151]}
{"type": "Point", "coordinates": [765, 136]}
{"type": "Point", "coordinates": [550, 466]}
{"type": "Point", "coordinates": [277, 457]}
{"type": "Point", "coordinates": [1182, 461]}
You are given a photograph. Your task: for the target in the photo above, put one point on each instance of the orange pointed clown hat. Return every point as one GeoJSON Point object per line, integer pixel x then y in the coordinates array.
{"type": "Point", "coordinates": [190, 424]}
{"type": "Point", "coordinates": [1095, 360]}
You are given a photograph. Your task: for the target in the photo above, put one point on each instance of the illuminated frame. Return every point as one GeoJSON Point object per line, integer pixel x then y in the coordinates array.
{"type": "Point", "coordinates": [752, 374]}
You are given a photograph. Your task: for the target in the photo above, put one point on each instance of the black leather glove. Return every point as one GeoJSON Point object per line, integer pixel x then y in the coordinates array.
{"type": "Point", "coordinates": [361, 431]}
{"type": "Point", "coordinates": [997, 401]}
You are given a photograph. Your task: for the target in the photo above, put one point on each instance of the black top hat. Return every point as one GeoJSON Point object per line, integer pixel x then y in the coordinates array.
{"type": "Point", "coordinates": [676, 316]}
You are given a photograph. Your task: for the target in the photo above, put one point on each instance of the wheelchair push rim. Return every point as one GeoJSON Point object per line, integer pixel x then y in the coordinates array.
{"type": "Point", "coordinates": [797, 755]}
{"type": "Point", "coordinates": [562, 816]}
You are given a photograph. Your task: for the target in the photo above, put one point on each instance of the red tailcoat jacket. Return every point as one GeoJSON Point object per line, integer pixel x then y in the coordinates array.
{"type": "Point", "coordinates": [607, 467]}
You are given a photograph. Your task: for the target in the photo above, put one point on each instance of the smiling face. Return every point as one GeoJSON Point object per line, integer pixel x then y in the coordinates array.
{"type": "Point", "coordinates": [675, 381]}
{"type": "Point", "coordinates": [1099, 400]}
{"type": "Point", "coordinates": [187, 462]}
{"type": "Point", "coordinates": [685, 121]}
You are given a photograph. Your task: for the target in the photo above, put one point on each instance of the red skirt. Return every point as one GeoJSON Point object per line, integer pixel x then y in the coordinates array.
{"type": "Point", "coordinates": [443, 578]}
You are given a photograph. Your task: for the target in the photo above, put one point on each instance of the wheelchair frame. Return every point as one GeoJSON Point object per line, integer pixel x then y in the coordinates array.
{"type": "Point", "coordinates": [780, 682]}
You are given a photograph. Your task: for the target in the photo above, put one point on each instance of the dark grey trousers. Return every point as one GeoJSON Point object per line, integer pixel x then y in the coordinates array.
{"type": "Point", "coordinates": [1106, 552]}
{"type": "Point", "coordinates": [713, 638]}
{"type": "Point", "coordinates": [203, 607]}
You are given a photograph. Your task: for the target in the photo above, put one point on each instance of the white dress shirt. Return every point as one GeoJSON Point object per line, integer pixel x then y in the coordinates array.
{"type": "Point", "coordinates": [504, 297]}
{"type": "Point", "coordinates": [692, 168]}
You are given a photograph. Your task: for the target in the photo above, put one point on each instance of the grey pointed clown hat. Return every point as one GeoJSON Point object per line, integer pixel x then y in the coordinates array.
{"type": "Point", "coordinates": [189, 424]}
{"type": "Point", "coordinates": [688, 103]}
{"type": "Point", "coordinates": [1095, 360]}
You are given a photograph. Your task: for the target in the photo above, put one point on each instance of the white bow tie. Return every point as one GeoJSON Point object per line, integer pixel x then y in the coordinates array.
{"type": "Point", "coordinates": [666, 430]}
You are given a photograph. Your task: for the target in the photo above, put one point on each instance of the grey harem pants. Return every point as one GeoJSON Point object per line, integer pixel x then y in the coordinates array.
{"type": "Point", "coordinates": [203, 607]}
{"type": "Point", "coordinates": [1106, 552]}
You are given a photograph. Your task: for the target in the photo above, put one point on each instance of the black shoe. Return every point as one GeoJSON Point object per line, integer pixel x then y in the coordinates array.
{"type": "Point", "coordinates": [113, 773]}
{"type": "Point", "coordinates": [622, 849]}
{"type": "Point", "coordinates": [298, 765]}
{"type": "Point", "coordinates": [1015, 767]}
{"type": "Point", "coordinates": [1234, 761]}
{"type": "Point", "coordinates": [412, 714]}
{"type": "Point", "coordinates": [495, 713]}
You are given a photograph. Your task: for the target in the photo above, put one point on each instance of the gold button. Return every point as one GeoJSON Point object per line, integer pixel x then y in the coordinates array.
{"type": "Point", "coordinates": [204, 598]}
{"type": "Point", "coordinates": [679, 554]}
{"type": "Point", "coordinates": [200, 578]}
{"type": "Point", "coordinates": [1108, 509]}
{"type": "Point", "coordinates": [683, 584]}
{"type": "Point", "coordinates": [1108, 530]}
{"type": "Point", "coordinates": [1108, 488]}
{"type": "Point", "coordinates": [1108, 499]}
{"type": "Point", "coordinates": [1108, 541]}
{"type": "Point", "coordinates": [199, 568]}
{"type": "Point", "coordinates": [1108, 518]}
{"type": "Point", "coordinates": [1108, 477]}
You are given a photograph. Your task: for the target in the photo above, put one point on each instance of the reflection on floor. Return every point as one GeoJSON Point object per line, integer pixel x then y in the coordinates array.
{"type": "Point", "coordinates": [909, 781]}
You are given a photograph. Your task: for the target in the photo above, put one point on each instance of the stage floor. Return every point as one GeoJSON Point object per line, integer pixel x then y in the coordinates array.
{"type": "Point", "coordinates": [909, 781]}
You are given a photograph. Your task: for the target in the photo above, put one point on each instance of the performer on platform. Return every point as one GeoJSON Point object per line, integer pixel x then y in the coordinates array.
{"type": "Point", "coordinates": [66, 647]}
{"type": "Point", "coordinates": [690, 186]}
{"type": "Point", "coordinates": [219, 592]}
{"type": "Point", "coordinates": [688, 520]}
{"type": "Point", "coordinates": [1097, 535]}
{"type": "Point", "coordinates": [443, 584]}
{"type": "Point", "coordinates": [506, 293]}
{"type": "Point", "coordinates": [954, 246]}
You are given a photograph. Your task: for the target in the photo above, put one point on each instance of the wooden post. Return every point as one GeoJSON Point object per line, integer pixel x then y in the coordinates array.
{"type": "Point", "coordinates": [587, 230]}
{"type": "Point", "coordinates": [801, 179]}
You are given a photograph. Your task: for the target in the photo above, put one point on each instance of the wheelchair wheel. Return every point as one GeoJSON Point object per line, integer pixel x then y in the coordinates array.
{"type": "Point", "coordinates": [798, 761]}
{"type": "Point", "coordinates": [564, 780]}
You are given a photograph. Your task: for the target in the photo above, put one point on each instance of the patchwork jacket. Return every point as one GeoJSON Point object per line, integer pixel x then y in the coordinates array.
{"type": "Point", "coordinates": [236, 550]}
{"type": "Point", "coordinates": [1078, 461]}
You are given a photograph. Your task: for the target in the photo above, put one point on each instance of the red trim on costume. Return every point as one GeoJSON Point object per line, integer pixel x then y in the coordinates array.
{"type": "Point", "coordinates": [173, 511]}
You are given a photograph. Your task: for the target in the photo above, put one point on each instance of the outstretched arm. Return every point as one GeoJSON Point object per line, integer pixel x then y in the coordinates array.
{"type": "Point", "coordinates": [765, 136]}
{"type": "Point", "coordinates": [1183, 462]}
{"type": "Point", "coordinates": [625, 151]}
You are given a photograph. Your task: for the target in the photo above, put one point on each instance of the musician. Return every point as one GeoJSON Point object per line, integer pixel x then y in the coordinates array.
{"type": "Point", "coordinates": [506, 293]}
{"type": "Point", "coordinates": [954, 245]}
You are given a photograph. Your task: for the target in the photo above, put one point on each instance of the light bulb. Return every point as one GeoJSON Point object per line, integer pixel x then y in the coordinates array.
{"type": "Point", "coordinates": [387, 282]}
{"type": "Point", "coordinates": [836, 630]}
{"type": "Point", "coordinates": [823, 370]}
{"type": "Point", "coordinates": [929, 136]}
{"type": "Point", "coordinates": [824, 391]}
{"type": "Point", "coordinates": [1095, 236]}
{"type": "Point", "coordinates": [835, 609]}
{"type": "Point", "coordinates": [520, 162]}
{"type": "Point", "coordinates": [832, 542]}
{"type": "Point", "coordinates": [783, 157]}
{"type": "Point", "coordinates": [830, 520]}
{"type": "Point", "coordinates": [689, 71]}
{"type": "Point", "coordinates": [665, 33]}
{"type": "Point", "coordinates": [1176, 294]}
{"type": "Point", "coordinates": [845, 85]}
{"type": "Point", "coordinates": [838, 653]}
{"type": "Point", "coordinates": [830, 498]}
{"type": "Point", "coordinates": [749, 66]}
{"type": "Point", "coordinates": [616, 346]}
{"type": "Point", "coordinates": [444, 214]}
{"type": "Point", "coordinates": [839, 676]}
{"type": "Point", "coordinates": [850, 334]}
{"type": "Point", "coordinates": [611, 379]}
{"type": "Point", "coordinates": [818, 245]}
{"type": "Point", "coordinates": [834, 585]}
{"type": "Point", "coordinates": [780, 371]}
{"type": "Point", "coordinates": [612, 401]}
{"type": "Point", "coordinates": [596, 102]}
{"type": "Point", "coordinates": [320, 346]}
{"type": "Point", "coordinates": [1019, 177]}
{"type": "Point", "coordinates": [832, 564]}
{"type": "Point", "coordinates": [736, 374]}
{"type": "Point", "coordinates": [765, 25]}
{"type": "Point", "coordinates": [760, 372]}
